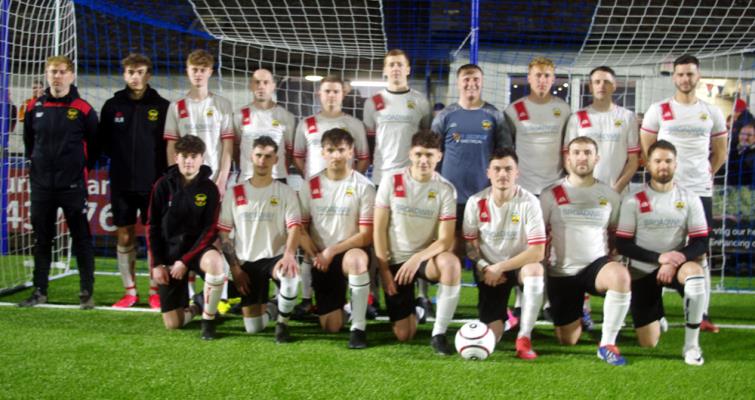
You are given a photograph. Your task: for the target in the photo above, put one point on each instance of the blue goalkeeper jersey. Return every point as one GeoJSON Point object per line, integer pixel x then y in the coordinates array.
{"type": "Point", "coordinates": [469, 137]}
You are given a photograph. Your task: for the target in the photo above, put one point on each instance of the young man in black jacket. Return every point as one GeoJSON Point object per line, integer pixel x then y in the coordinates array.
{"type": "Point", "coordinates": [131, 130]}
{"type": "Point", "coordinates": [59, 135]}
{"type": "Point", "coordinates": [183, 214]}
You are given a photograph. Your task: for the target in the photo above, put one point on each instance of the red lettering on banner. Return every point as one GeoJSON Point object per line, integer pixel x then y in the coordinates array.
{"type": "Point", "coordinates": [398, 186]}
{"type": "Point", "coordinates": [644, 203]}
{"type": "Point", "coordinates": [666, 113]}
{"type": "Point", "coordinates": [246, 116]}
{"type": "Point", "coordinates": [521, 111]}
{"type": "Point", "coordinates": [559, 193]}
{"type": "Point", "coordinates": [314, 188]}
{"type": "Point", "coordinates": [584, 119]}
{"type": "Point", "coordinates": [379, 103]}
{"type": "Point", "coordinates": [311, 125]}
{"type": "Point", "coordinates": [183, 112]}
{"type": "Point", "coordinates": [239, 195]}
{"type": "Point", "coordinates": [482, 204]}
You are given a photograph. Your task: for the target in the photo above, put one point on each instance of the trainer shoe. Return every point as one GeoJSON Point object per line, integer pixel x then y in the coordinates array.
{"type": "Point", "coordinates": [126, 301]}
{"type": "Point", "coordinates": [358, 339]}
{"type": "Point", "coordinates": [524, 349]}
{"type": "Point", "coordinates": [208, 329]}
{"type": "Point", "coordinates": [512, 322]}
{"type": "Point", "coordinates": [611, 354]}
{"type": "Point", "coordinates": [303, 310]}
{"type": "Point", "coordinates": [36, 298]}
{"type": "Point", "coordinates": [439, 343]}
{"type": "Point", "coordinates": [281, 333]}
{"type": "Point", "coordinates": [373, 306]}
{"type": "Point", "coordinates": [664, 324]}
{"type": "Point", "coordinates": [86, 300]}
{"type": "Point", "coordinates": [693, 356]}
{"type": "Point", "coordinates": [706, 325]}
{"type": "Point", "coordinates": [154, 301]}
{"type": "Point", "coordinates": [587, 323]}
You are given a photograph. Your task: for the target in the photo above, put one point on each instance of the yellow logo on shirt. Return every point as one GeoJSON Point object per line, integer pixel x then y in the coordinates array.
{"type": "Point", "coordinates": [200, 199]}
{"type": "Point", "coordinates": [556, 112]}
{"type": "Point", "coordinates": [274, 201]}
{"type": "Point", "coordinates": [603, 201]}
{"type": "Point", "coordinates": [349, 191]}
{"type": "Point", "coordinates": [456, 136]}
{"type": "Point", "coordinates": [152, 114]}
{"type": "Point", "coordinates": [431, 194]}
{"type": "Point", "coordinates": [410, 104]}
{"type": "Point", "coordinates": [703, 116]}
{"type": "Point", "coordinates": [515, 218]}
{"type": "Point", "coordinates": [276, 122]}
{"type": "Point", "coordinates": [617, 123]}
{"type": "Point", "coordinates": [486, 124]}
{"type": "Point", "coordinates": [679, 204]}
{"type": "Point", "coordinates": [72, 114]}
{"type": "Point", "coordinates": [210, 111]}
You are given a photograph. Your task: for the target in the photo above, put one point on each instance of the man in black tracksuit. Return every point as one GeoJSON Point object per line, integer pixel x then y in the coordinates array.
{"type": "Point", "coordinates": [59, 135]}
{"type": "Point", "coordinates": [183, 216]}
{"type": "Point", "coordinates": [131, 131]}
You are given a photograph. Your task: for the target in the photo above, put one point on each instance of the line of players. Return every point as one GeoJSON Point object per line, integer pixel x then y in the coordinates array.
{"type": "Point", "coordinates": [416, 210]}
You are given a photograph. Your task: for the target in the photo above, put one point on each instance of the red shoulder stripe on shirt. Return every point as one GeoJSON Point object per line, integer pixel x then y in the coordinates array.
{"type": "Point", "coordinates": [584, 119]}
{"type": "Point", "coordinates": [183, 112]}
{"type": "Point", "coordinates": [314, 188]}
{"type": "Point", "coordinates": [82, 106]}
{"type": "Point", "coordinates": [246, 116]}
{"type": "Point", "coordinates": [644, 203]}
{"type": "Point", "coordinates": [559, 193]}
{"type": "Point", "coordinates": [379, 103]}
{"type": "Point", "coordinates": [239, 195]}
{"type": "Point", "coordinates": [666, 113]}
{"type": "Point", "coordinates": [521, 111]}
{"type": "Point", "coordinates": [398, 186]}
{"type": "Point", "coordinates": [311, 125]}
{"type": "Point", "coordinates": [484, 214]}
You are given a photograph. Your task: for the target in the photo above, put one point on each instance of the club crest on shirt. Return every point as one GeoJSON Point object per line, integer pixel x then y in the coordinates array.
{"type": "Point", "coordinates": [486, 124]}
{"type": "Point", "coordinates": [431, 194]}
{"type": "Point", "coordinates": [210, 111]}
{"type": "Point", "coordinates": [119, 119]}
{"type": "Point", "coordinates": [703, 116]}
{"type": "Point", "coordinates": [679, 205]}
{"type": "Point", "coordinates": [515, 218]}
{"type": "Point", "coordinates": [617, 123]}
{"type": "Point", "coordinates": [603, 201]}
{"type": "Point", "coordinates": [274, 201]}
{"type": "Point", "coordinates": [556, 112]}
{"type": "Point", "coordinates": [72, 114]}
{"type": "Point", "coordinates": [276, 122]}
{"type": "Point", "coordinates": [349, 191]}
{"type": "Point", "coordinates": [200, 199]}
{"type": "Point", "coordinates": [456, 136]}
{"type": "Point", "coordinates": [410, 104]}
{"type": "Point", "coordinates": [152, 114]}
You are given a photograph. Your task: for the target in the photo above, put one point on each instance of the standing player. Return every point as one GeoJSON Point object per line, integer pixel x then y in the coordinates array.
{"type": "Point", "coordinates": [263, 117]}
{"type": "Point", "coordinates": [337, 207]}
{"type": "Point", "coordinates": [263, 213]}
{"type": "Point", "coordinates": [581, 214]}
{"type": "Point", "coordinates": [131, 130]}
{"type": "Point", "coordinates": [653, 228]}
{"type": "Point", "coordinates": [698, 131]}
{"type": "Point", "coordinates": [183, 214]}
{"type": "Point", "coordinates": [60, 139]}
{"type": "Point", "coordinates": [538, 122]}
{"type": "Point", "coordinates": [308, 153]}
{"type": "Point", "coordinates": [505, 234]}
{"type": "Point", "coordinates": [415, 211]}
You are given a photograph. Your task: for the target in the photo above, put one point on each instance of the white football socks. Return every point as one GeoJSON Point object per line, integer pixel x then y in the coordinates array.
{"type": "Point", "coordinates": [305, 271]}
{"type": "Point", "coordinates": [532, 299]}
{"type": "Point", "coordinates": [615, 308]}
{"type": "Point", "coordinates": [448, 299]}
{"type": "Point", "coordinates": [213, 288]}
{"type": "Point", "coordinates": [287, 297]}
{"type": "Point", "coordinates": [126, 258]}
{"type": "Point", "coordinates": [694, 300]}
{"type": "Point", "coordinates": [360, 291]}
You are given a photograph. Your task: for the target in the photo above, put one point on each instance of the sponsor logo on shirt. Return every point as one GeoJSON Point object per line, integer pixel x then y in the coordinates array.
{"type": "Point", "coordinates": [200, 199]}
{"type": "Point", "coordinates": [274, 201]}
{"type": "Point", "coordinates": [487, 124]}
{"type": "Point", "coordinates": [152, 114]}
{"type": "Point", "coordinates": [72, 114]}
{"type": "Point", "coordinates": [679, 204]}
{"type": "Point", "coordinates": [456, 136]}
{"type": "Point", "coordinates": [119, 119]}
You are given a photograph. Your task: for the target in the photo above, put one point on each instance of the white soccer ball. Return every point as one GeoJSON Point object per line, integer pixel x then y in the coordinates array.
{"type": "Point", "coordinates": [475, 341]}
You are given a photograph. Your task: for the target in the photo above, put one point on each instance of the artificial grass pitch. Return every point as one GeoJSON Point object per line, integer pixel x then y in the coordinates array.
{"type": "Point", "coordinates": [64, 353]}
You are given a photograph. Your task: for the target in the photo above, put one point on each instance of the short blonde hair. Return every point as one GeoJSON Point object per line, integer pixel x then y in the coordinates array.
{"type": "Point", "coordinates": [55, 60]}
{"type": "Point", "coordinates": [200, 58]}
{"type": "Point", "coordinates": [395, 53]}
{"type": "Point", "coordinates": [541, 62]}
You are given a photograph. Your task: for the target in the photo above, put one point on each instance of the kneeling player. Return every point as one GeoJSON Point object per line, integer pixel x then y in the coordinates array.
{"type": "Point", "coordinates": [183, 214]}
{"type": "Point", "coordinates": [337, 206]}
{"type": "Point", "coordinates": [653, 228]}
{"type": "Point", "coordinates": [264, 214]}
{"type": "Point", "coordinates": [505, 233]}
{"type": "Point", "coordinates": [415, 213]}
{"type": "Point", "coordinates": [580, 210]}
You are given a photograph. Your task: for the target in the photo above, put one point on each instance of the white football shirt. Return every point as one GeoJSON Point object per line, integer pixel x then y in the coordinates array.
{"type": "Point", "coordinates": [251, 122]}
{"type": "Point", "coordinates": [307, 140]}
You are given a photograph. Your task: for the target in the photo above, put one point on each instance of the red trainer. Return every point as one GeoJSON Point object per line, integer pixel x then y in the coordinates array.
{"type": "Point", "coordinates": [154, 301]}
{"type": "Point", "coordinates": [126, 301]}
{"type": "Point", "coordinates": [524, 349]}
{"type": "Point", "coordinates": [707, 326]}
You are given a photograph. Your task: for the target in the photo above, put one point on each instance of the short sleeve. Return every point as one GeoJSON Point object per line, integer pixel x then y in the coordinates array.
{"type": "Point", "coordinates": [546, 204]}
{"type": "Point", "coordinates": [503, 133]}
{"type": "Point", "coordinates": [300, 142]}
{"type": "Point", "coordinates": [470, 227]}
{"type": "Point", "coordinates": [304, 199]}
{"type": "Point", "coordinates": [448, 203]}
{"type": "Point", "coordinates": [288, 135]}
{"type": "Point", "coordinates": [719, 123]}
{"type": "Point", "coordinates": [367, 206]}
{"type": "Point", "coordinates": [572, 131]}
{"type": "Point", "coordinates": [633, 134]}
{"type": "Point", "coordinates": [237, 128]}
{"type": "Point", "coordinates": [369, 116]}
{"type": "Point", "coordinates": [651, 122]}
{"type": "Point", "coordinates": [171, 123]}
{"type": "Point", "coordinates": [226, 121]}
{"type": "Point", "coordinates": [293, 212]}
{"type": "Point", "coordinates": [697, 225]}
{"type": "Point", "coordinates": [427, 116]}
{"type": "Point", "coordinates": [615, 201]}
{"type": "Point", "coordinates": [361, 149]}
{"type": "Point", "coordinates": [627, 218]}
{"type": "Point", "coordinates": [225, 222]}
{"type": "Point", "coordinates": [383, 196]}
{"type": "Point", "coordinates": [534, 224]}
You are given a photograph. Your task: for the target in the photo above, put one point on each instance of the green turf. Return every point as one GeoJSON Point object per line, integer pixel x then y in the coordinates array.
{"type": "Point", "coordinates": [57, 353]}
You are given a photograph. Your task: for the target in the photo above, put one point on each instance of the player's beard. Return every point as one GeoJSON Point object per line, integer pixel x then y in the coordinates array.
{"type": "Point", "coordinates": [663, 179]}
{"type": "Point", "coordinates": [687, 91]}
